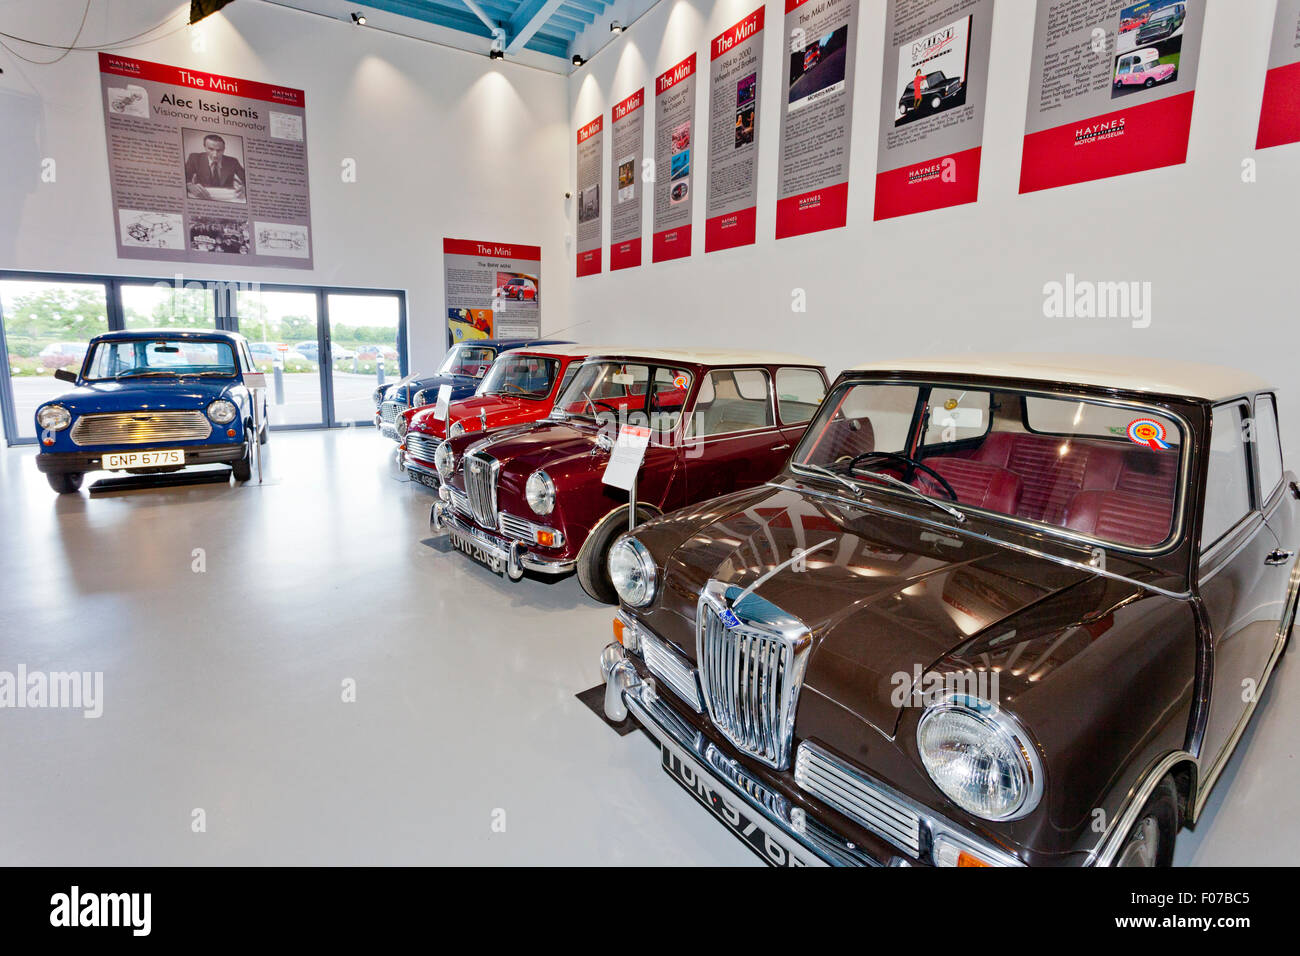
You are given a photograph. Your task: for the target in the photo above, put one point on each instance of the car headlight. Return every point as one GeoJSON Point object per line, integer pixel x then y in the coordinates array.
{"type": "Point", "coordinates": [378, 394]}
{"type": "Point", "coordinates": [980, 757]}
{"type": "Point", "coordinates": [53, 418]}
{"type": "Point", "coordinates": [445, 461]}
{"type": "Point", "coordinates": [540, 492]}
{"type": "Point", "coordinates": [401, 426]}
{"type": "Point", "coordinates": [632, 571]}
{"type": "Point", "coordinates": [421, 398]}
{"type": "Point", "coordinates": [222, 411]}
{"type": "Point", "coordinates": [457, 430]}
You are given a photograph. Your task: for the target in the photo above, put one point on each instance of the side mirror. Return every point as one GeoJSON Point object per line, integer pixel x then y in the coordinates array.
{"type": "Point", "coordinates": [63, 375]}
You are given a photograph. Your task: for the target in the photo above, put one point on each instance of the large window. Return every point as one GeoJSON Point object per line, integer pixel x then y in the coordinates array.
{"type": "Point", "coordinates": [47, 320]}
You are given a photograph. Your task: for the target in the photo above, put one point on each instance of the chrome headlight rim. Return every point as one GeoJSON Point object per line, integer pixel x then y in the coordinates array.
{"type": "Point", "coordinates": [457, 429]}
{"type": "Point", "coordinates": [401, 425]}
{"type": "Point", "coordinates": [420, 398]}
{"type": "Point", "coordinates": [444, 459]}
{"type": "Point", "coordinates": [62, 418]}
{"type": "Point", "coordinates": [628, 545]}
{"type": "Point", "coordinates": [1000, 725]}
{"type": "Point", "coordinates": [222, 411]}
{"type": "Point", "coordinates": [539, 492]}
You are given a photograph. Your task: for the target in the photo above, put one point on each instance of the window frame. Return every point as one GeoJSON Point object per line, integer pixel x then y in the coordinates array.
{"type": "Point", "coordinates": [689, 434]}
{"type": "Point", "coordinates": [1208, 551]}
{"type": "Point", "coordinates": [776, 394]}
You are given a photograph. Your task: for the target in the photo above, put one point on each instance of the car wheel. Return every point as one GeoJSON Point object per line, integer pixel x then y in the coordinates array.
{"type": "Point", "coordinates": [65, 483]}
{"type": "Point", "coordinates": [243, 469]}
{"type": "Point", "coordinates": [936, 102]}
{"type": "Point", "coordinates": [1149, 83]}
{"type": "Point", "coordinates": [593, 559]}
{"type": "Point", "coordinates": [1150, 842]}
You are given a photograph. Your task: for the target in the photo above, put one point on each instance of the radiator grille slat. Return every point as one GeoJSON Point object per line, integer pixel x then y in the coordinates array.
{"type": "Point", "coordinates": [140, 428]}
{"type": "Point", "coordinates": [669, 667]}
{"type": "Point", "coordinates": [389, 411]}
{"type": "Point", "coordinates": [480, 488]}
{"type": "Point", "coordinates": [857, 797]}
{"type": "Point", "coordinates": [422, 447]}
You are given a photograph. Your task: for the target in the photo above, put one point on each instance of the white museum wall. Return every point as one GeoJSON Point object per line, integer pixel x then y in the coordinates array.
{"type": "Point", "coordinates": [446, 143]}
{"type": "Point", "coordinates": [1214, 248]}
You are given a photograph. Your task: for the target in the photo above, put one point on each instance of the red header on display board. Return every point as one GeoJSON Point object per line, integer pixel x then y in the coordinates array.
{"type": "Point", "coordinates": [950, 181]}
{"type": "Point", "coordinates": [589, 262]}
{"type": "Point", "coordinates": [1145, 137]}
{"type": "Point", "coordinates": [629, 105]}
{"type": "Point", "coordinates": [625, 255]}
{"type": "Point", "coordinates": [199, 80]}
{"type": "Point", "coordinates": [673, 75]}
{"type": "Point", "coordinates": [495, 250]}
{"type": "Point", "coordinates": [813, 211]}
{"type": "Point", "coordinates": [792, 5]}
{"type": "Point", "coordinates": [731, 230]}
{"type": "Point", "coordinates": [1279, 120]}
{"type": "Point", "coordinates": [671, 244]}
{"type": "Point", "coordinates": [741, 32]}
{"type": "Point", "coordinates": [590, 130]}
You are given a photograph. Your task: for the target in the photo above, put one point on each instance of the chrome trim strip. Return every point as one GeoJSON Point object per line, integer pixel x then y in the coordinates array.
{"type": "Point", "coordinates": [858, 797]}
{"type": "Point", "coordinates": [1108, 846]}
{"type": "Point", "coordinates": [961, 529]}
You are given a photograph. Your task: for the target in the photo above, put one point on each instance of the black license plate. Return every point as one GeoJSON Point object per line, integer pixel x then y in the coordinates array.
{"type": "Point", "coordinates": [479, 552]}
{"type": "Point", "coordinates": [749, 830]}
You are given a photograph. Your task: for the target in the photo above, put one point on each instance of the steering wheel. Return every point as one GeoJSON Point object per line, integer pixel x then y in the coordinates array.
{"type": "Point", "coordinates": [909, 465]}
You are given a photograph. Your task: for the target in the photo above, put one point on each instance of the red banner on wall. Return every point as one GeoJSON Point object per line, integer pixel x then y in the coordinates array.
{"type": "Point", "coordinates": [1279, 118]}
{"type": "Point", "coordinates": [674, 161]}
{"type": "Point", "coordinates": [626, 188]}
{"type": "Point", "coordinates": [735, 72]}
{"type": "Point", "coordinates": [591, 217]}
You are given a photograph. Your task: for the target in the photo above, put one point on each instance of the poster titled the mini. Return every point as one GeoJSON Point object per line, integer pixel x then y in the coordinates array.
{"type": "Point", "coordinates": [205, 168]}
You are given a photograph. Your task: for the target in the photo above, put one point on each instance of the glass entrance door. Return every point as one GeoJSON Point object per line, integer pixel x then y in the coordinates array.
{"type": "Point", "coordinates": [164, 305]}
{"type": "Point", "coordinates": [364, 339]}
{"type": "Point", "coordinates": [47, 326]}
{"type": "Point", "coordinates": [283, 332]}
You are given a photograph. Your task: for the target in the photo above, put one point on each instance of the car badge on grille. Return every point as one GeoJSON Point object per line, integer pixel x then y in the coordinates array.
{"type": "Point", "coordinates": [728, 618]}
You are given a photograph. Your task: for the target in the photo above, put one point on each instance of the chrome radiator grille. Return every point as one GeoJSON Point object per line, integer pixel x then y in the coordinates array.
{"type": "Point", "coordinates": [460, 501]}
{"type": "Point", "coordinates": [390, 411]}
{"type": "Point", "coordinates": [751, 673]}
{"type": "Point", "coordinates": [140, 428]}
{"type": "Point", "coordinates": [856, 797]}
{"type": "Point", "coordinates": [421, 446]}
{"type": "Point", "coordinates": [671, 668]}
{"type": "Point", "coordinates": [481, 488]}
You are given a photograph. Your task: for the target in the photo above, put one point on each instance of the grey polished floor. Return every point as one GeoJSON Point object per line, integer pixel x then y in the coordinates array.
{"type": "Point", "coordinates": [223, 690]}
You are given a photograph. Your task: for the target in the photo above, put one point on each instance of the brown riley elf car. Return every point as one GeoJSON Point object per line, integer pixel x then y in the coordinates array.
{"type": "Point", "coordinates": [995, 611]}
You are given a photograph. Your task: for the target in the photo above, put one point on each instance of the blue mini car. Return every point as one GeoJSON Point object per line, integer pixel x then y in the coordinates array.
{"type": "Point", "coordinates": [463, 367]}
{"type": "Point", "coordinates": [149, 402]}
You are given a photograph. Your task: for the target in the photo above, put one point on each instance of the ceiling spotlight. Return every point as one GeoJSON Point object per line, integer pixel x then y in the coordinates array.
{"type": "Point", "coordinates": [615, 27]}
{"type": "Point", "coordinates": [495, 54]}
{"type": "Point", "coordinates": [359, 19]}
{"type": "Point", "coordinates": [578, 60]}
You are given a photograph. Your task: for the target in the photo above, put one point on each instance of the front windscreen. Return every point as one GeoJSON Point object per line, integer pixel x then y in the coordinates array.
{"type": "Point", "coordinates": [1103, 471]}
{"type": "Point", "coordinates": [471, 360]}
{"type": "Point", "coordinates": [524, 376]}
{"type": "Point", "coordinates": [613, 392]}
{"type": "Point", "coordinates": [140, 358]}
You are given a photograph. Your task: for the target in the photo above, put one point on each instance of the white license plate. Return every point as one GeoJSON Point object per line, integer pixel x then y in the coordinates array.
{"type": "Point", "coordinates": [752, 831]}
{"type": "Point", "coordinates": [143, 459]}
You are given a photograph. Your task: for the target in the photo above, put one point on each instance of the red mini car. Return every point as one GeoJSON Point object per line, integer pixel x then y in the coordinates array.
{"type": "Point", "coordinates": [534, 498]}
{"type": "Point", "coordinates": [520, 388]}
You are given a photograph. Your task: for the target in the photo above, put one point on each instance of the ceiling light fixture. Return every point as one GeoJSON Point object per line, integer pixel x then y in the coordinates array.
{"type": "Point", "coordinates": [578, 60]}
{"type": "Point", "coordinates": [495, 54]}
{"type": "Point", "coordinates": [359, 19]}
{"type": "Point", "coordinates": [615, 27]}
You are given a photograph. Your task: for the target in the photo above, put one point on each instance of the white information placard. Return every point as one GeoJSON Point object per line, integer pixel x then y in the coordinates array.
{"type": "Point", "coordinates": [625, 460]}
{"type": "Point", "coordinates": [444, 399]}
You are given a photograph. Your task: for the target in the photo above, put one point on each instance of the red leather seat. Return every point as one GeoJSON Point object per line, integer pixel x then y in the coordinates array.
{"type": "Point", "coordinates": [1121, 516]}
{"type": "Point", "coordinates": [976, 483]}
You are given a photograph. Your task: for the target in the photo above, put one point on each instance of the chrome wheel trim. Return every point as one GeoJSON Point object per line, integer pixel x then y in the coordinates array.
{"type": "Point", "coordinates": [1142, 848]}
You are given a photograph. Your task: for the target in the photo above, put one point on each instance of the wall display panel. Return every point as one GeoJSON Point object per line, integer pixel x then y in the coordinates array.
{"type": "Point", "coordinates": [591, 213]}
{"type": "Point", "coordinates": [1111, 89]}
{"type": "Point", "coordinates": [626, 180]}
{"type": "Point", "coordinates": [820, 40]}
{"type": "Point", "coordinates": [205, 168]}
{"type": "Point", "coordinates": [493, 290]}
{"type": "Point", "coordinates": [936, 67]}
{"type": "Point", "coordinates": [674, 158]}
{"type": "Point", "coordinates": [735, 78]}
{"type": "Point", "coordinates": [1279, 120]}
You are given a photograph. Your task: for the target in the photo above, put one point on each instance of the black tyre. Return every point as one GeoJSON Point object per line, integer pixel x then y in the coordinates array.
{"type": "Point", "coordinates": [243, 469]}
{"type": "Point", "coordinates": [1150, 841]}
{"type": "Point", "coordinates": [1149, 83]}
{"type": "Point", "coordinates": [67, 482]}
{"type": "Point", "coordinates": [593, 559]}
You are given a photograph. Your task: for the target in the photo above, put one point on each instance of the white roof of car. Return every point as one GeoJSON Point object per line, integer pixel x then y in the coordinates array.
{"type": "Point", "coordinates": [695, 356]}
{"type": "Point", "coordinates": [541, 349]}
{"type": "Point", "coordinates": [1126, 372]}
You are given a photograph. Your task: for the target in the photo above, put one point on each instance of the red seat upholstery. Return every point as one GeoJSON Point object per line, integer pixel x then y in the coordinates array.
{"type": "Point", "coordinates": [1122, 516]}
{"type": "Point", "coordinates": [976, 483]}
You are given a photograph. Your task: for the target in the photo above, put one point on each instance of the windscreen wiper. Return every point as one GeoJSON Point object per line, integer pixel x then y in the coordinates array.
{"type": "Point", "coordinates": [834, 476]}
{"type": "Point", "coordinates": [891, 480]}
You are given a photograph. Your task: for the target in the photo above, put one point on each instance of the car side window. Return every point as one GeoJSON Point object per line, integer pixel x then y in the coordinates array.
{"type": "Point", "coordinates": [671, 386]}
{"type": "Point", "coordinates": [569, 373]}
{"type": "Point", "coordinates": [1268, 446]}
{"type": "Point", "coordinates": [799, 393]}
{"type": "Point", "coordinates": [1227, 484]}
{"type": "Point", "coordinates": [732, 400]}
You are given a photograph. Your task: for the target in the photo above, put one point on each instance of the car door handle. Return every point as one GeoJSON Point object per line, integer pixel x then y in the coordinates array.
{"type": "Point", "coordinates": [1278, 556]}
{"type": "Point", "coordinates": [785, 447]}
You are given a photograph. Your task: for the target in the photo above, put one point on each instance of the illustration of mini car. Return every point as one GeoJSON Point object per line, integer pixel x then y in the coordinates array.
{"type": "Point", "coordinates": [149, 228]}
{"type": "Point", "coordinates": [937, 90]}
{"type": "Point", "coordinates": [518, 289]}
{"type": "Point", "coordinates": [280, 239]}
{"type": "Point", "coordinates": [678, 192]}
{"type": "Point", "coordinates": [1143, 68]}
{"type": "Point", "coordinates": [811, 56]}
{"type": "Point", "coordinates": [1162, 24]}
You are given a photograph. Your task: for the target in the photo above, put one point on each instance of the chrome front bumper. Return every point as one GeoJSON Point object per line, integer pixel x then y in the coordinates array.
{"type": "Point", "coordinates": [510, 557]}
{"type": "Point", "coordinates": [425, 475]}
{"type": "Point", "coordinates": [627, 693]}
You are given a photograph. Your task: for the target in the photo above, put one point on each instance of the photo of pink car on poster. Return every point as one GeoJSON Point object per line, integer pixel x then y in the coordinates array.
{"type": "Point", "coordinates": [1148, 53]}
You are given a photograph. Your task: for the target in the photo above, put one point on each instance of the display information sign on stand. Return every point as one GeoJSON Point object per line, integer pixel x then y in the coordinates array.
{"type": "Point", "coordinates": [627, 140]}
{"type": "Point", "coordinates": [626, 456]}
{"type": "Point", "coordinates": [812, 189]}
{"type": "Point", "coordinates": [205, 168]}
{"type": "Point", "coordinates": [590, 219]}
{"type": "Point", "coordinates": [493, 290]}
{"type": "Point", "coordinates": [1111, 89]}
{"type": "Point", "coordinates": [735, 70]}
{"type": "Point", "coordinates": [1279, 120]}
{"type": "Point", "coordinates": [932, 107]}
{"type": "Point", "coordinates": [674, 154]}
